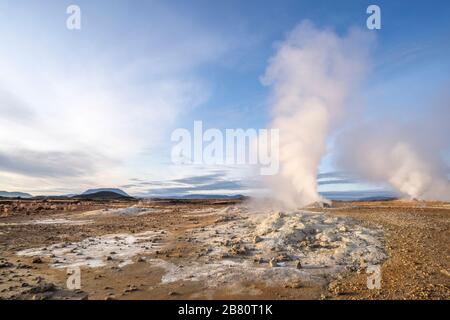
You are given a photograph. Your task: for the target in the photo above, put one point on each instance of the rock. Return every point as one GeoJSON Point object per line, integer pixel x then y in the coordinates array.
{"type": "Point", "coordinates": [84, 297]}
{"type": "Point", "coordinates": [173, 293]}
{"type": "Point", "coordinates": [282, 258]}
{"type": "Point", "coordinates": [276, 248]}
{"type": "Point", "coordinates": [257, 239]}
{"type": "Point", "coordinates": [43, 287]}
{"type": "Point", "coordinates": [130, 289]}
{"type": "Point", "coordinates": [238, 249]}
{"type": "Point", "coordinates": [5, 264]}
{"type": "Point", "coordinates": [294, 285]}
{"type": "Point", "coordinates": [321, 204]}
{"type": "Point", "coordinates": [298, 265]}
{"type": "Point", "coordinates": [258, 260]}
{"type": "Point", "coordinates": [37, 260]}
{"type": "Point", "coordinates": [334, 288]}
{"type": "Point", "coordinates": [39, 279]}
{"type": "Point", "coordinates": [445, 272]}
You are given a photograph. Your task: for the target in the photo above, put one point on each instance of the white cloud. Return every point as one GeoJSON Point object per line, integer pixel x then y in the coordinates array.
{"type": "Point", "coordinates": [84, 94]}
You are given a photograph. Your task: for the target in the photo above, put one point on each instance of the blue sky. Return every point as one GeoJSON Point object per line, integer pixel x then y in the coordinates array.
{"type": "Point", "coordinates": [95, 107]}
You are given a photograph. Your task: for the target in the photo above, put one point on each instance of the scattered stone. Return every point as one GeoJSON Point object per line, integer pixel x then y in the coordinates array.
{"type": "Point", "coordinates": [283, 258]}
{"type": "Point", "coordinates": [43, 287]}
{"type": "Point", "coordinates": [130, 289]}
{"type": "Point", "coordinates": [257, 239]}
{"type": "Point", "coordinates": [39, 279]}
{"type": "Point", "coordinates": [258, 260]}
{"type": "Point", "coordinates": [37, 260]}
{"type": "Point", "coordinates": [5, 264]}
{"type": "Point", "coordinates": [294, 285]}
{"type": "Point", "coordinates": [445, 272]}
{"type": "Point", "coordinates": [238, 249]}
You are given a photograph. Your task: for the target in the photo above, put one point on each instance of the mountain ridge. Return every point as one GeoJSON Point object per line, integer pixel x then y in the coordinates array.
{"type": "Point", "coordinates": [7, 194]}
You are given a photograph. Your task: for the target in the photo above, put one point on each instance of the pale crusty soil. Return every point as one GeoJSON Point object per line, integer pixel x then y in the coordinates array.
{"type": "Point", "coordinates": [416, 238]}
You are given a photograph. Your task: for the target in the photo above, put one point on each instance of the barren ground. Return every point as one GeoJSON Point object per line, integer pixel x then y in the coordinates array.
{"type": "Point", "coordinates": [150, 252]}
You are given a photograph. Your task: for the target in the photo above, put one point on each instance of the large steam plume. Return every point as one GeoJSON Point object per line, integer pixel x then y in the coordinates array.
{"type": "Point", "coordinates": [312, 74]}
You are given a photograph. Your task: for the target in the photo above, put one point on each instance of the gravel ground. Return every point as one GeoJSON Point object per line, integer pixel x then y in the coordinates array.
{"type": "Point", "coordinates": [132, 252]}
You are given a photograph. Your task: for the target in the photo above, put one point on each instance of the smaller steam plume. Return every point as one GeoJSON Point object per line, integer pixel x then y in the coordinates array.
{"type": "Point", "coordinates": [409, 157]}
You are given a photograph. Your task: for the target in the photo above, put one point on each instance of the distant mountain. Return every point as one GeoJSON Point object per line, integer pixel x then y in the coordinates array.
{"type": "Point", "coordinates": [115, 190]}
{"type": "Point", "coordinates": [103, 195]}
{"type": "Point", "coordinates": [363, 195]}
{"type": "Point", "coordinates": [6, 194]}
{"type": "Point", "coordinates": [213, 196]}
{"type": "Point", "coordinates": [203, 196]}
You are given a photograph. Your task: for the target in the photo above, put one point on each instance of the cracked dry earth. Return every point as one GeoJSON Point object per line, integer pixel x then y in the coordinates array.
{"type": "Point", "coordinates": [223, 250]}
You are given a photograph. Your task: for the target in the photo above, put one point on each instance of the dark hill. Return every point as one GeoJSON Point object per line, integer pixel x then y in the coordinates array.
{"type": "Point", "coordinates": [103, 195]}
{"type": "Point", "coordinates": [115, 190]}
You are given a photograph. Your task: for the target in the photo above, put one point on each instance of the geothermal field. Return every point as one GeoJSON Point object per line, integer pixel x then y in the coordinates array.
{"type": "Point", "coordinates": [223, 249]}
{"type": "Point", "coordinates": [225, 150]}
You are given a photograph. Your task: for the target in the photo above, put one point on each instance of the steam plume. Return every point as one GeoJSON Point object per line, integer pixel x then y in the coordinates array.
{"type": "Point", "coordinates": [407, 156]}
{"type": "Point", "coordinates": [312, 75]}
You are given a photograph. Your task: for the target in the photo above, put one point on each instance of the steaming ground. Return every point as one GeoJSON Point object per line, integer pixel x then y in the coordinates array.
{"type": "Point", "coordinates": [221, 249]}
{"type": "Point", "coordinates": [278, 248]}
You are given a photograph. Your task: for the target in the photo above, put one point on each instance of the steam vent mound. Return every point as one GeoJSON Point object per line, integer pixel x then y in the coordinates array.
{"type": "Point", "coordinates": [279, 248]}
